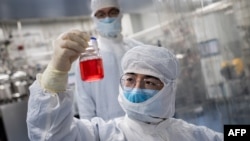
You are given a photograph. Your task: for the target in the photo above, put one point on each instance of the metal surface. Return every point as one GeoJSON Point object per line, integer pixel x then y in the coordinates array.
{"type": "Point", "coordinates": [13, 116]}
{"type": "Point", "coordinates": [5, 90]}
{"type": "Point", "coordinates": [20, 84]}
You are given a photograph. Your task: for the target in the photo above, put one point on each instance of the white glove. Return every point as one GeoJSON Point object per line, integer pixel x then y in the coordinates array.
{"type": "Point", "coordinates": [67, 48]}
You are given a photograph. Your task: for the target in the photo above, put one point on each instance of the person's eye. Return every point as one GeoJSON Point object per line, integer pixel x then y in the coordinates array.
{"type": "Point", "coordinates": [100, 15]}
{"type": "Point", "coordinates": [130, 79]}
{"type": "Point", "coordinates": [113, 13]}
{"type": "Point", "coordinates": [150, 83]}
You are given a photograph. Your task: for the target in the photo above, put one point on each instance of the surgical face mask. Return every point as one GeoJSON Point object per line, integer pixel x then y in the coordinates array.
{"type": "Point", "coordinates": [107, 20]}
{"type": "Point", "coordinates": [153, 110]}
{"type": "Point", "coordinates": [108, 27]}
{"type": "Point", "coordinates": [139, 95]}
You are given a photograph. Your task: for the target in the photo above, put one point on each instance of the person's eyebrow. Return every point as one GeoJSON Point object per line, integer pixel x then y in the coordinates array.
{"type": "Point", "coordinates": [146, 76]}
{"type": "Point", "coordinates": [149, 76]}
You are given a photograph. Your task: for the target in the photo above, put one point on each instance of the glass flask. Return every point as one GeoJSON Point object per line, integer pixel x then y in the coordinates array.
{"type": "Point", "coordinates": [91, 65]}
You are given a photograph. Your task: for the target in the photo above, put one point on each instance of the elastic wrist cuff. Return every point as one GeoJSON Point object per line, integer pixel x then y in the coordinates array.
{"type": "Point", "coordinates": [54, 80]}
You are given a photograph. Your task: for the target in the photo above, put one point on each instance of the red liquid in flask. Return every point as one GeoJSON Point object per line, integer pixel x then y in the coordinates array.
{"type": "Point", "coordinates": [91, 70]}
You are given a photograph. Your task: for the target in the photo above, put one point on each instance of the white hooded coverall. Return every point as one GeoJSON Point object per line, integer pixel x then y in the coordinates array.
{"type": "Point", "coordinates": [50, 115]}
{"type": "Point", "coordinates": [99, 98]}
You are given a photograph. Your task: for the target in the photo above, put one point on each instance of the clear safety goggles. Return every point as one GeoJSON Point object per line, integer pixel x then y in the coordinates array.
{"type": "Point", "coordinates": [113, 12]}
{"type": "Point", "coordinates": [130, 80]}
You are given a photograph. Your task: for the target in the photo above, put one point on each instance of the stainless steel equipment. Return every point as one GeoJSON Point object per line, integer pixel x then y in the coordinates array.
{"type": "Point", "coordinates": [14, 87]}
{"type": "Point", "coordinates": [5, 90]}
{"type": "Point", "coordinates": [13, 121]}
{"type": "Point", "coordinates": [20, 84]}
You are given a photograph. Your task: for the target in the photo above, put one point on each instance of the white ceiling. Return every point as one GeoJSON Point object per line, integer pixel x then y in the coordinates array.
{"type": "Point", "coordinates": [44, 9]}
{"type": "Point", "coordinates": [28, 9]}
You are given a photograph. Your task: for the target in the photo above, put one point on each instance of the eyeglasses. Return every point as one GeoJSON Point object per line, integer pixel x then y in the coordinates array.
{"type": "Point", "coordinates": [114, 12]}
{"type": "Point", "coordinates": [129, 80]}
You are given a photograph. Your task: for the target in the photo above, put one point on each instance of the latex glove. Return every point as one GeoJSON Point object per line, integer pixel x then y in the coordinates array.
{"type": "Point", "coordinates": [67, 48]}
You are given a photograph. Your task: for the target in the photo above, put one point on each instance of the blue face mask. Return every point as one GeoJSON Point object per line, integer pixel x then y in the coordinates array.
{"type": "Point", "coordinates": [109, 27]}
{"type": "Point", "coordinates": [139, 95]}
{"type": "Point", "coordinates": [107, 20]}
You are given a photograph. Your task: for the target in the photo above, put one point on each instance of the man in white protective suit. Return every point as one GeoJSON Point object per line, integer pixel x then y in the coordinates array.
{"type": "Point", "coordinates": [100, 98]}
{"type": "Point", "coordinates": [147, 95]}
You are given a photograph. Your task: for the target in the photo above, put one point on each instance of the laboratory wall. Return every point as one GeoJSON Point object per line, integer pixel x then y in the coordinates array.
{"type": "Point", "coordinates": [211, 40]}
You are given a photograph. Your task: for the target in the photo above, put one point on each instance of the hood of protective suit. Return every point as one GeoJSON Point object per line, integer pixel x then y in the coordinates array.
{"type": "Point", "coordinates": [158, 62]}
{"type": "Point", "coordinates": [99, 4]}
{"type": "Point", "coordinates": [108, 30]}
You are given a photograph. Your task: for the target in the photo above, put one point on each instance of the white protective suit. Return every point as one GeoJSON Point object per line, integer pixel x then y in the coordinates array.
{"type": "Point", "coordinates": [100, 98]}
{"type": "Point", "coordinates": [50, 116]}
